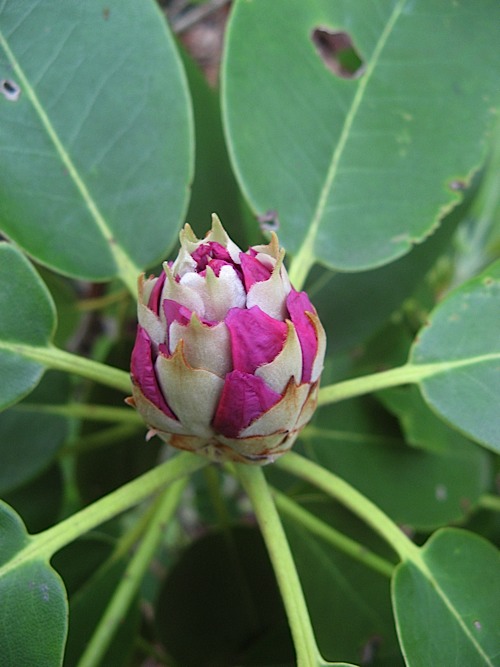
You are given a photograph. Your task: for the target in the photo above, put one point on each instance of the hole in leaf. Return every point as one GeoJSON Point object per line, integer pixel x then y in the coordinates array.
{"type": "Point", "coordinates": [338, 53]}
{"type": "Point", "coordinates": [10, 90]}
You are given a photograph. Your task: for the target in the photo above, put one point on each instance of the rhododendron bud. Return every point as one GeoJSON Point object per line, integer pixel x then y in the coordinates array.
{"type": "Point", "coordinates": [228, 355]}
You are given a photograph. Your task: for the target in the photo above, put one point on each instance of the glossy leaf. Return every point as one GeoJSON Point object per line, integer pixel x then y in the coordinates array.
{"type": "Point", "coordinates": [28, 317]}
{"type": "Point", "coordinates": [421, 427]}
{"type": "Point", "coordinates": [29, 439]}
{"type": "Point", "coordinates": [47, 489]}
{"type": "Point", "coordinates": [214, 188]}
{"type": "Point", "coordinates": [86, 608]}
{"type": "Point", "coordinates": [236, 616]}
{"type": "Point", "coordinates": [463, 336]}
{"type": "Point", "coordinates": [358, 168]}
{"type": "Point", "coordinates": [352, 306]}
{"type": "Point", "coordinates": [98, 144]}
{"type": "Point", "coordinates": [416, 488]}
{"type": "Point", "coordinates": [34, 608]}
{"type": "Point", "coordinates": [449, 614]}
{"type": "Point", "coordinates": [349, 603]}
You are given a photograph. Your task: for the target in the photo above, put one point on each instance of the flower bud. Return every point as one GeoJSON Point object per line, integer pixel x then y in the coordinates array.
{"type": "Point", "coordinates": [228, 355]}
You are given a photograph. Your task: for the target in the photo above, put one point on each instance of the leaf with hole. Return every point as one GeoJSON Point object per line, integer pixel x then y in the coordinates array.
{"type": "Point", "coordinates": [97, 148]}
{"type": "Point", "coordinates": [359, 157]}
{"type": "Point", "coordinates": [447, 613]}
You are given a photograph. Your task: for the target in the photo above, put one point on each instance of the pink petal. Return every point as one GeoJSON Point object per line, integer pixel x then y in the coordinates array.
{"type": "Point", "coordinates": [256, 338]}
{"type": "Point", "coordinates": [244, 398]}
{"type": "Point", "coordinates": [154, 297]}
{"type": "Point", "coordinates": [208, 251]}
{"type": "Point", "coordinates": [217, 264]}
{"type": "Point", "coordinates": [298, 304]}
{"type": "Point", "coordinates": [143, 372]}
{"type": "Point", "coordinates": [176, 312]}
{"type": "Point", "coordinates": [253, 270]}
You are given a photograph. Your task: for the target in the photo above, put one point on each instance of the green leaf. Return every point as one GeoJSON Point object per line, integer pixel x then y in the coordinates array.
{"type": "Point", "coordinates": [358, 169]}
{"type": "Point", "coordinates": [34, 610]}
{"type": "Point", "coordinates": [29, 440]}
{"type": "Point", "coordinates": [39, 501]}
{"type": "Point", "coordinates": [422, 428]}
{"type": "Point", "coordinates": [354, 305]}
{"type": "Point", "coordinates": [97, 149]}
{"type": "Point", "coordinates": [416, 488]}
{"type": "Point", "coordinates": [88, 605]}
{"type": "Point", "coordinates": [214, 187]}
{"type": "Point", "coordinates": [349, 604]}
{"type": "Point", "coordinates": [462, 336]}
{"type": "Point", "coordinates": [448, 613]}
{"type": "Point", "coordinates": [236, 616]}
{"type": "Point", "coordinates": [28, 317]}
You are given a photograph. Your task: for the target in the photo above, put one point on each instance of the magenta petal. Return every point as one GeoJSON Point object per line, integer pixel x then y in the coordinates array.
{"type": "Point", "coordinates": [154, 298]}
{"type": "Point", "coordinates": [217, 264]}
{"type": "Point", "coordinates": [208, 251]}
{"type": "Point", "coordinates": [253, 270]}
{"type": "Point", "coordinates": [244, 398]}
{"type": "Point", "coordinates": [176, 312]}
{"type": "Point", "coordinates": [256, 338]}
{"type": "Point", "coordinates": [298, 304]}
{"type": "Point", "coordinates": [143, 372]}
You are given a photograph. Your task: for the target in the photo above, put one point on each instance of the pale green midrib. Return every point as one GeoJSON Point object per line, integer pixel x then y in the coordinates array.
{"type": "Point", "coordinates": [422, 566]}
{"type": "Point", "coordinates": [57, 359]}
{"type": "Point", "coordinates": [410, 373]}
{"type": "Point", "coordinates": [306, 253]}
{"type": "Point", "coordinates": [126, 266]}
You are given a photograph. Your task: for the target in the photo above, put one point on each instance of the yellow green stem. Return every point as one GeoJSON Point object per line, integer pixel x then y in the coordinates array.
{"type": "Point", "coordinates": [254, 482]}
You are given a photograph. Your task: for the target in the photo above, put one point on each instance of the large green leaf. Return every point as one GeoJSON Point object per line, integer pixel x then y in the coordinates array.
{"type": "Point", "coordinates": [30, 438]}
{"type": "Point", "coordinates": [28, 317]}
{"type": "Point", "coordinates": [349, 604]}
{"type": "Point", "coordinates": [448, 614]}
{"type": "Point", "coordinates": [462, 339]}
{"type": "Point", "coordinates": [33, 610]}
{"type": "Point", "coordinates": [47, 492]}
{"type": "Point", "coordinates": [352, 306]}
{"type": "Point", "coordinates": [96, 150]}
{"type": "Point", "coordinates": [236, 615]}
{"type": "Point", "coordinates": [88, 604]}
{"type": "Point", "coordinates": [359, 169]}
{"type": "Point", "coordinates": [417, 488]}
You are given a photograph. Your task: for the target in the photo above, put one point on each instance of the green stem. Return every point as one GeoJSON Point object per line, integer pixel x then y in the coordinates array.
{"type": "Point", "coordinates": [351, 498]}
{"type": "Point", "coordinates": [44, 545]}
{"type": "Point", "coordinates": [407, 374]}
{"type": "Point", "coordinates": [97, 413]}
{"type": "Point", "coordinates": [132, 577]}
{"type": "Point", "coordinates": [301, 264]}
{"type": "Point", "coordinates": [102, 438]}
{"type": "Point", "coordinates": [254, 482]}
{"type": "Point", "coordinates": [101, 302]}
{"type": "Point", "coordinates": [332, 536]}
{"type": "Point", "coordinates": [53, 357]}
{"type": "Point", "coordinates": [490, 502]}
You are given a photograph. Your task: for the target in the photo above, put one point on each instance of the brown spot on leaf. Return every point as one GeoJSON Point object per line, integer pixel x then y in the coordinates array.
{"type": "Point", "coordinates": [337, 51]}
